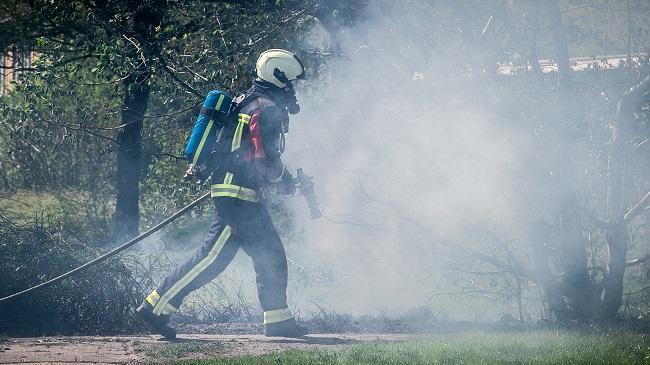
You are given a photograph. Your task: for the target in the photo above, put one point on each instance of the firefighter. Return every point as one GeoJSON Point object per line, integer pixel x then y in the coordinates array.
{"type": "Point", "coordinates": [253, 146]}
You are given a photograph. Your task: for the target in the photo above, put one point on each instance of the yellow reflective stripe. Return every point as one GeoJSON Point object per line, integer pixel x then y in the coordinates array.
{"type": "Point", "coordinates": [228, 178]}
{"type": "Point", "coordinates": [233, 188]}
{"type": "Point", "coordinates": [219, 102]}
{"type": "Point", "coordinates": [227, 189]}
{"type": "Point", "coordinates": [153, 298]}
{"type": "Point", "coordinates": [169, 309]}
{"type": "Point", "coordinates": [226, 194]}
{"type": "Point", "coordinates": [196, 270]}
{"type": "Point", "coordinates": [244, 118]}
{"type": "Point", "coordinates": [207, 131]}
{"type": "Point", "coordinates": [277, 315]}
{"type": "Point", "coordinates": [234, 191]}
{"type": "Point", "coordinates": [203, 139]}
{"type": "Point", "coordinates": [236, 139]}
{"type": "Point", "coordinates": [239, 131]}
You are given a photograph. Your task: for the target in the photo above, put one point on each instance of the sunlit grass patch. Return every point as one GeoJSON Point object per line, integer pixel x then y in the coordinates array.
{"type": "Point", "coordinates": [544, 347]}
{"type": "Point", "coordinates": [22, 206]}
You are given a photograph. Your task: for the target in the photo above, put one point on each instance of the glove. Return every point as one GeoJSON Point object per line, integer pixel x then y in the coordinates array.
{"type": "Point", "coordinates": [286, 186]}
{"type": "Point", "coordinates": [198, 173]}
{"type": "Point", "coordinates": [189, 174]}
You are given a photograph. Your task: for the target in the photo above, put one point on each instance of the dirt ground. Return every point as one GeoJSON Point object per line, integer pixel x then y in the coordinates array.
{"type": "Point", "coordinates": [152, 349]}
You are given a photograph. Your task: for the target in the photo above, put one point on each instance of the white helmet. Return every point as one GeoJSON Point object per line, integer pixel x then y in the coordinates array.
{"type": "Point", "coordinates": [284, 61]}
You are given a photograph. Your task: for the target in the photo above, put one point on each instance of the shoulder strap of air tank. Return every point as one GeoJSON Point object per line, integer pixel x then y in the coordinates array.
{"type": "Point", "coordinates": [237, 103]}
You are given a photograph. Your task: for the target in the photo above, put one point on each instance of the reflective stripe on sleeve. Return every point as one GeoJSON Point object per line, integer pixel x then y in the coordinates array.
{"type": "Point", "coordinates": [277, 315]}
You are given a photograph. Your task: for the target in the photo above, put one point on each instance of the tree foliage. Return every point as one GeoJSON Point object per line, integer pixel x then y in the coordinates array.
{"type": "Point", "coordinates": [116, 85]}
{"type": "Point", "coordinates": [115, 82]}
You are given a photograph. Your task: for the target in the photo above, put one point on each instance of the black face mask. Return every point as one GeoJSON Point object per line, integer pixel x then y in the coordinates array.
{"type": "Point", "coordinates": [284, 97]}
{"type": "Point", "coordinates": [292, 102]}
{"type": "Point", "coordinates": [289, 96]}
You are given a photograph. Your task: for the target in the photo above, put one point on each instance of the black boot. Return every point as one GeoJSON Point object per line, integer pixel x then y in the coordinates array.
{"type": "Point", "coordinates": [287, 328]}
{"type": "Point", "coordinates": [157, 323]}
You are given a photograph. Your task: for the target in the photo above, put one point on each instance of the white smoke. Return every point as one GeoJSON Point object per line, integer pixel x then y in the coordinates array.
{"type": "Point", "coordinates": [399, 146]}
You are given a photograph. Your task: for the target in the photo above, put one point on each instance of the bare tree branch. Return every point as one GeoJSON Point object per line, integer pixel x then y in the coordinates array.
{"type": "Point", "coordinates": [293, 14]}
{"type": "Point", "coordinates": [637, 208]}
{"type": "Point", "coordinates": [637, 261]}
{"type": "Point", "coordinates": [489, 22]}
{"type": "Point", "coordinates": [82, 130]}
{"type": "Point", "coordinates": [171, 73]}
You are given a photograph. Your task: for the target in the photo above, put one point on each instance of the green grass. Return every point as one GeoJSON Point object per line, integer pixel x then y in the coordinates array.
{"type": "Point", "coordinates": [26, 206]}
{"type": "Point", "coordinates": [544, 347]}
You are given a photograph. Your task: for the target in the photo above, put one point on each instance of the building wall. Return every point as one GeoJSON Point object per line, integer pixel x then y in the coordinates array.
{"type": "Point", "coordinates": [13, 64]}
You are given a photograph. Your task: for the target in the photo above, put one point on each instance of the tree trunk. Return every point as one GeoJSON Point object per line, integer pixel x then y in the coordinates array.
{"type": "Point", "coordinates": [129, 155]}
{"type": "Point", "coordinates": [576, 286]}
{"type": "Point", "coordinates": [559, 39]}
{"type": "Point", "coordinates": [543, 276]}
{"type": "Point", "coordinates": [571, 254]}
{"type": "Point", "coordinates": [136, 98]}
{"type": "Point", "coordinates": [613, 284]}
{"type": "Point", "coordinates": [617, 204]}
{"type": "Point", "coordinates": [533, 58]}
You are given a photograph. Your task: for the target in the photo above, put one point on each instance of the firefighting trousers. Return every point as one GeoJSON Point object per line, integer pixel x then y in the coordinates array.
{"type": "Point", "coordinates": [236, 224]}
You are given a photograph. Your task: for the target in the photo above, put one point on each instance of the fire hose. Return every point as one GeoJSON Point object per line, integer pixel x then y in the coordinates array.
{"type": "Point", "coordinates": [303, 181]}
{"type": "Point", "coordinates": [112, 252]}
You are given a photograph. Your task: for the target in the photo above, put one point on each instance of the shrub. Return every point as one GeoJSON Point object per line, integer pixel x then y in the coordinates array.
{"type": "Point", "coordinates": [96, 301]}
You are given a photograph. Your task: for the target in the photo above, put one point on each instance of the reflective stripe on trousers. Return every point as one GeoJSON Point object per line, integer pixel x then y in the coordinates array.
{"type": "Point", "coordinates": [277, 315]}
{"type": "Point", "coordinates": [153, 299]}
{"type": "Point", "coordinates": [237, 224]}
{"type": "Point", "coordinates": [194, 272]}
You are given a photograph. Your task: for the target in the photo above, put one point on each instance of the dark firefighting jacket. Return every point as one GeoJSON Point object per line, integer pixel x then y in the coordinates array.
{"type": "Point", "coordinates": [250, 147]}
